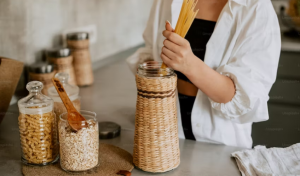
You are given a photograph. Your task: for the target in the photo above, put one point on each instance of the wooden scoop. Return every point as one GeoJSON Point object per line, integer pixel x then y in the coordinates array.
{"type": "Point", "coordinates": [75, 119]}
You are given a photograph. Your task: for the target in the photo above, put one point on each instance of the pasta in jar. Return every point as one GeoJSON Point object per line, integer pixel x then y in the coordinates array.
{"type": "Point", "coordinates": [37, 126]}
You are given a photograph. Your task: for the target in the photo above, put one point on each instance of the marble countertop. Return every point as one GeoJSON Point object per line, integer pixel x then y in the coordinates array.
{"type": "Point", "coordinates": [113, 98]}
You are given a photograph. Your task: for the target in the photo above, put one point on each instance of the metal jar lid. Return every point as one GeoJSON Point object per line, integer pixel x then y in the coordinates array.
{"type": "Point", "coordinates": [41, 68]}
{"type": "Point", "coordinates": [78, 36]}
{"type": "Point", "coordinates": [109, 130]}
{"type": "Point", "coordinates": [59, 52]}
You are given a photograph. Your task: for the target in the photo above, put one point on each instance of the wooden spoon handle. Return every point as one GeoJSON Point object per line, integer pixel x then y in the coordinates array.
{"type": "Point", "coordinates": [63, 95]}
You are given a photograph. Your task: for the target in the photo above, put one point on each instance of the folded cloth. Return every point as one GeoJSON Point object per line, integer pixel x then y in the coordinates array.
{"type": "Point", "coordinates": [261, 161]}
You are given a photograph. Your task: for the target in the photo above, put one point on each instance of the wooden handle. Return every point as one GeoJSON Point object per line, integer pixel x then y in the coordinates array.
{"type": "Point", "coordinates": [63, 95]}
{"type": "Point", "coordinates": [124, 173]}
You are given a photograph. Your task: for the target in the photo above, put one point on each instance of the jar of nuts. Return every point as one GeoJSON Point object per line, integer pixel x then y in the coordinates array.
{"type": "Point", "coordinates": [37, 124]}
{"type": "Point", "coordinates": [72, 91]}
{"type": "Point", "coordinates": [79, 150]}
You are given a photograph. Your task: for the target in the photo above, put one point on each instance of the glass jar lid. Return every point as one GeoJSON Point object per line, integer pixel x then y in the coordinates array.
{"type": "Point", "coordinates": [35, 102]}
{"type": "Point", "coordinates": [78, 36]}
{"type": "Point", "coordinates": [59, 52]}
{"type": "Point", "coordinates": [72, 91]}
{"type": "Point", "coordinates": [41, 68]}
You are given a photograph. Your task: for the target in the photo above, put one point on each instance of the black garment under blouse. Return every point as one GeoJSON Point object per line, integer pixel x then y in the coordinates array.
{"type": "Point", "coordinates": [198, 36]}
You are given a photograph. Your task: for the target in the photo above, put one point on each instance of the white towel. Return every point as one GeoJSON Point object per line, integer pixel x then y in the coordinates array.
{"type": "Point", "coordinates": [261, 161]}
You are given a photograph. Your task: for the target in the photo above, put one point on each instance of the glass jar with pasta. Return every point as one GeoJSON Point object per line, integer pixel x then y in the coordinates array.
{"type": "Point", "coordinates": [72, 91]}
{"type": "Point", "coordinates": [37, 126]}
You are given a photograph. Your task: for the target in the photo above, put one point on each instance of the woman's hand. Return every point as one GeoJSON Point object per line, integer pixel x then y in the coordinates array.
{"type": "Point", "coordinates": [177, 52]}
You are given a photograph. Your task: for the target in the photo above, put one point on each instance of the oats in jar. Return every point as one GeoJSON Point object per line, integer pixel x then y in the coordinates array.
{"type": "Point", "coordinates": [79, 150]}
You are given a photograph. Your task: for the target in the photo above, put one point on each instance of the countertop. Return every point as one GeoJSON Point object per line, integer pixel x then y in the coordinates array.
{"type": "Point", "coordinates": [113, 98]}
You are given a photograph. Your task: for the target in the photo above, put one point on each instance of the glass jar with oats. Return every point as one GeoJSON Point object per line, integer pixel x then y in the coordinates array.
{"type": "Point", "coordinates": [79, 150]}
{"type": "Point", "coordinates": [72, 91]}
{"type": "Point", "coordinates": [37, 126]}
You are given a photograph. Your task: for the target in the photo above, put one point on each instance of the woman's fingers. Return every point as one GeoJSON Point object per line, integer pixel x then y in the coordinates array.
{"type": "Point", "coordinates": [166, 60]}
{"type": "Point", "coordinates": [170, 54]}
{"type": "Point", "coordinates": [171, 46]}
{"type": "Point", "coordinates": [175, 38]}
{"type": "Point", "coordinates": [169, 26]}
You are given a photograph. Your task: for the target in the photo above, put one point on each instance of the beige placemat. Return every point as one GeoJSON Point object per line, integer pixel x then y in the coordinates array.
{"type": "Point", "coordinates": [112, 159]}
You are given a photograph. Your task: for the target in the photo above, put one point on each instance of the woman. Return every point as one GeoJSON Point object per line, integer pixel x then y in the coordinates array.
{"type": "Point", "coordinates": [226, 65]}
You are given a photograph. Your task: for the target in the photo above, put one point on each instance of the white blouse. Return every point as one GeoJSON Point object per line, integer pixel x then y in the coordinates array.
{"type": "Point", "coordinates": [244, 46]}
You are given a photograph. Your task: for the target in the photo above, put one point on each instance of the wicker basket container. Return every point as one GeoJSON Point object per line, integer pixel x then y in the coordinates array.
{"type": "Point", "coordinates": [156, 143]}
{"type": "Point", "coordinates": [62, 59]}
{"type": "Point", "coordinates": [79, 43]}
{"type": "Point", "coordinates": [42, 72]}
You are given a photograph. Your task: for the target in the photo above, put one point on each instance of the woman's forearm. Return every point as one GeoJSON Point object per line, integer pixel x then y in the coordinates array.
{"type": "Point", "coordinates": [218, 87]}
{"type": "Point", "coordinates": [177, 54]}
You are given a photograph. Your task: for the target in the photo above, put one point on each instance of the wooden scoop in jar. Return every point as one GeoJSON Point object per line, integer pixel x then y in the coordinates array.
{"type": "Point", "coordinates": [75, 119]}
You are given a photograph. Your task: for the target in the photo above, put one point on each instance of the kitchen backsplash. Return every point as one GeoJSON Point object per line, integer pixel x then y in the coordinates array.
{"type": "Point", "coordinates": [28, 27]}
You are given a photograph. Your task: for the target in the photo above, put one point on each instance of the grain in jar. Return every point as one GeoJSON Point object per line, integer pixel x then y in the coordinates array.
{"type": "Point", "coordinates": [71, 90]}
{"type": "Point", "coordinates": [37, 126]}
{"type": "Point", "coordinates": [62, 59]}
{"type": "Point", "coordinates": [79, 44]}
{"type": "Point", "coordinates": [79, 151]}
{"type": "Point", "coordinates": [42, 72]}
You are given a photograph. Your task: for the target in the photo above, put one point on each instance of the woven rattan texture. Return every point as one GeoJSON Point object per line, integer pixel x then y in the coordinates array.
{"type": "Point", "coordinates": [112, 159]}
{"type": "Point", "coordinates": [78, 44]}
{"type": "Point", "coordinates": [44, 78]}
{"type": "Point", "coordinates": [156, 144]}
{"type": "Point", "coordinates": [83, 67]}
{"type": "Point", "coordinates": [64, 64]}
{"type": "Point", "coordinates": [82, 62]}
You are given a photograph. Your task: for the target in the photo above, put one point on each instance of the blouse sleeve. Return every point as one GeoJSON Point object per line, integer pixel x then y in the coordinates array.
{"type": "Point", "coordinates": [145, 53]}
{"type": "Point", "coordinates": [252, 66]}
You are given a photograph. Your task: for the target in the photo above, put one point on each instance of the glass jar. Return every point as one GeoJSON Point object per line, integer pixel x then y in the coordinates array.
{"type": "Point", "coordinates": [156, 128]}
{"type": "Point", "coordinates": [72, 91]}
{"type": "Point", "coordinates": [79, 151]}
{"type": "Point", "coordinates": [153, 69]}
{"type": "Point", "coordinates": [37, 124]}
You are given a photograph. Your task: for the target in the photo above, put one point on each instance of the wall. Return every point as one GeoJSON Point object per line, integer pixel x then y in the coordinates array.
{"type": "Point", "coordinates": [28, 27]}
{"type": "Point", "coordinates": [279, 3]}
